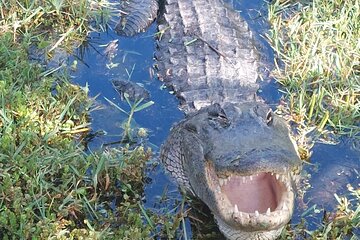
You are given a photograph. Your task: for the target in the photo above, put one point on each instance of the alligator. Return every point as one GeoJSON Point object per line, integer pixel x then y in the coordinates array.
{"type": "Point", "coordinates": [231, 150]}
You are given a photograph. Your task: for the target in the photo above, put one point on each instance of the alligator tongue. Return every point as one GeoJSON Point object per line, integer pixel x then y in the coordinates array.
{"type": "Point", "coordinates": [257, 193]}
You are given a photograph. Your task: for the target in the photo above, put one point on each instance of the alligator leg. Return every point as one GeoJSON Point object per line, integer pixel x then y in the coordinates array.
{"type": "Point", "coordinates": [136, 16]}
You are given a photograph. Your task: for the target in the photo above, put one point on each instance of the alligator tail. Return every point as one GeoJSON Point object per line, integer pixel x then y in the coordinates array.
{"type": "Point", "coordinates": [136, 16]}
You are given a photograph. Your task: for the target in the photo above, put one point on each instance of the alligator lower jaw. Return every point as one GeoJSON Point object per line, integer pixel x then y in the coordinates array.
{"type": "Point", "coordinates": [260, 202]}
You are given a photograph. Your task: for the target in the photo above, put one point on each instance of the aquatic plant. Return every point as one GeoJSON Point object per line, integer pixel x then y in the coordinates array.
{"type": "Point", "coordinates": [135, 106]}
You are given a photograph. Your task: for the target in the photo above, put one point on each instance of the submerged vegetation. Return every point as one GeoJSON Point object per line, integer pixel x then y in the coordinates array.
{"type": "Point", "coordinates": [51, 189]}
{"type": "Point", "coordinates": [318, 46]}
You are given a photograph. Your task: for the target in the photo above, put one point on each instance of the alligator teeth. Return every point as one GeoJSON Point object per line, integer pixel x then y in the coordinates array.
{"type": "Point", "coordinates": [277, 176]}
{"type": "Point", "coordinates": [251, 178]}
{"type": "Point", "coordinates": [284, 207]}
{"type": "Point", "coordinates": [243, 179]}
{"type": "Point", "coordinates": [257, 214]}
{"type": "Point", "coordinates": [236, 210]}
{"type": "Point", "coordinates": [242, 217]}
{"type": "Point", "coordinates": [282, 178]}
{"type": "Point", "coordinates": [221, 181]}
{"type": "Point", "coordinates": [268, 212]}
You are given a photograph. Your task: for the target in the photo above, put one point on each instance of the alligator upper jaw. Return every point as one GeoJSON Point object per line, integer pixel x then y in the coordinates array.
{"type": "Point", "coordinates": [262, 201]}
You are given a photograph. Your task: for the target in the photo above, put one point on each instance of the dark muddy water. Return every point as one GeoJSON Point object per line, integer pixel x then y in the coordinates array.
{"type": "Point", "coordinates": [332, 167]}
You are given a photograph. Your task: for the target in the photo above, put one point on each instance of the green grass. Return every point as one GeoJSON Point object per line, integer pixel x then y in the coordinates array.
{"type": "Point", "coordinates": [318, 45]}
{"type": "Point", "coordinates": [49, 188]}
{"type": "Point", "coordinates": [53, 23]}
{"type": "Point", "coordinates": [318, 63]}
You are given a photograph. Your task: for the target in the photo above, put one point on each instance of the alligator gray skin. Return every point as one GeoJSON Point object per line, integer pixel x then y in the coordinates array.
{"type": "Point", "coordinates": [231, 150]}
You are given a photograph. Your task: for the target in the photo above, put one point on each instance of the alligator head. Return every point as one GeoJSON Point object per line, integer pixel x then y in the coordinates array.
{"type": "Point", "coordinates": [239, 160]}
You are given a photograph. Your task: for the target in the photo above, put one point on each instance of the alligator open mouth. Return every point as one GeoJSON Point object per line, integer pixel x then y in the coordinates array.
{"type": "Point", "coordinates": [261, 201]}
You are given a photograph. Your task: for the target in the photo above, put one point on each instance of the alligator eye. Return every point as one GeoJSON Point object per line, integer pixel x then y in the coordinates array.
{"type": "Point", "coordinates": [269, 117]}
{"type": "Point", "coordinates": [217, 117]}
{"type": "Point", "coordinates": [221, 116]}
{"type": "Point", "coordinates": [219, 120]}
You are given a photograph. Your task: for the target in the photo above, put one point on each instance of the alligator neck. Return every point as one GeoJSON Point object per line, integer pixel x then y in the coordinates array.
{"type": "Point", "coordinates": [206, 53]}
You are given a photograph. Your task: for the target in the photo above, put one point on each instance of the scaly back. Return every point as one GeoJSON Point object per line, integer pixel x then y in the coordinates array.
{"type": "Point", "coordinates": [206, 53]}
